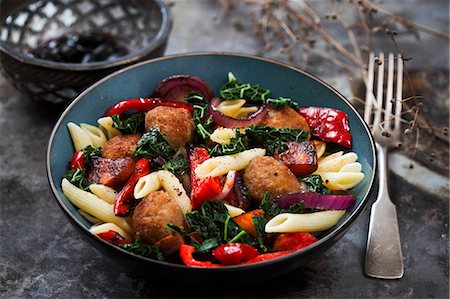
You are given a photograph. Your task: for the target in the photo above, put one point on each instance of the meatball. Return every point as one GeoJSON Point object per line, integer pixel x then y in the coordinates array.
{"type": "Point", "coordinates": [120, 146]}
{"type": "Point", "coordinates": [112, 173]}
{"type": "Point", "coordinates": [265, 174]}
{"type": "Point", "coordinates": [152, 214]}
{"type": "Point", "coordinates": [284, 118]}
{"type": "Point", "coordinates": [175, 124]}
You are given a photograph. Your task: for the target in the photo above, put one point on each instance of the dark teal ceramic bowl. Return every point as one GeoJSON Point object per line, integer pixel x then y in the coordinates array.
{"type": "Point", "coordinates": [140, 79]}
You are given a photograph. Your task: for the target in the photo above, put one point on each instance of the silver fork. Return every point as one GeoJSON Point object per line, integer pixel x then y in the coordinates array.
{"type": "Point", "coordinates": [384, 257]}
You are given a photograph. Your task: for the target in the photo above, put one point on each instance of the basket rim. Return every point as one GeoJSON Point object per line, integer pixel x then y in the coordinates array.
{"type": "Point", "coordinates": [135, 56]}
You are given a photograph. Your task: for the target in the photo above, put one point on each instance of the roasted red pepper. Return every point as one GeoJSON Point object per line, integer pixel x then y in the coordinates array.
{"type": "Point", "coordinates": [234, 253]}
{"type": "Point", "coordinates": [143, 104]}
{"type": "Point", "coordinates": [78, 161]}
{"type": "Point", "coordinates": [124, 199]}
{"type": "Point", "coordinates": [294, 241]}
{"type": "Point", "coordinates": [268, 256]}
{"type": "Point", "coordinates": [328, 124]}
{"type": "Point", "coordinates": [300, 158]}
{"type": "Point", "coordinates": [113, 237]}
{"type": "Point", "coordinates": [202, 189]}
{"type": "Point", "coordinates": [186, 252]}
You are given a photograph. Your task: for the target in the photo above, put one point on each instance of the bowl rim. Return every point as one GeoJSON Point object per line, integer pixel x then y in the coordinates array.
{"type": "Point", "coordinates": [160, 37]}
{"type": "Point", "coordinates": [309, 249]}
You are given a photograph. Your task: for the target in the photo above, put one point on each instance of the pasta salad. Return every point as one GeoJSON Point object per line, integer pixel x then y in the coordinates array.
{"type": "Point", "coordinates": [212, 181]}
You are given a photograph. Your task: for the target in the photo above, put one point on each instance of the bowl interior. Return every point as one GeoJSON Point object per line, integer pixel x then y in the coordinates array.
{"type": "Point", "coordinates": [139, 81]}
{"type": "Point", "coordinates": [26, 25]}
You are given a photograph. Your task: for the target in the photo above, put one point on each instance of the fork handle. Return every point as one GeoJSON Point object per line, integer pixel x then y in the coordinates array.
{"type": "Point", "coordinates": [384, 258]}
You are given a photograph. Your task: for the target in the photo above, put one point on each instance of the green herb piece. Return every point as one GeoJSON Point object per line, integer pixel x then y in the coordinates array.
{"type": "Point", "coordinates": [132, 125]}
{"type": "Point", "coordinates": [212, 222]}
{"type": "Point", "coordinates": [271, 209]}
{"type": "Point", "coordinates": [274, 138]}
{"type": "Point", "coordinates": [176, 165]}
{"type": "Point", "coordinates": [207, 245]}
{"type": "Point", "coordinates": [153, 144]}
{"type": "Point", "coordinates": [260, 224]}
{"type": "Point", "coordinates": [233, 90]}
{"type": "Point", "coordinates": [201, 119]}
{"type": "Point", "coordinates": [314, 183]}
{"type": "Point", "coordinates": [90, 153]}
{"type": "Point", "coordinates": [144, 249]}
{"type": "Point", "coordinates": [179, 230]}
{"type": "Point", "coordinates": [237, 144]}
{"type": "Point", "coordinates": [78, 177]}
{"type": "Point", "coordinates": [281, 101]}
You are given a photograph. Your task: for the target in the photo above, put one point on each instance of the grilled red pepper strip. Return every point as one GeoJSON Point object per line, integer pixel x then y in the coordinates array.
{"type": "Point", "coordinates": [186, 252]}
{"type": "Point", "coordinates": [234, 253]}
{"type": "Point", "coordinates": [268, 256]}
{"type": "Point", "coordinates": [328, 124]}
{"type": "Point", "coordinates": [113, 237]}
{"type": "Point", "coordinates": [202, 189]}
{"type": "Point", "coordinates": [124, 199]}
{"type": "Point", "coordinates": [78, 161]}
{"type": "Point", "coordinates": [143, 104]}
{"type": "Point", "coordinates": [294, 241]}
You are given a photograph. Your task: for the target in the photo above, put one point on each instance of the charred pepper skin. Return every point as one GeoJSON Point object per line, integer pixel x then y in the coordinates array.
{"type": "Point", "coordinates": [328, 124]}
{"type": "Point", "coordinates": [124, 199]}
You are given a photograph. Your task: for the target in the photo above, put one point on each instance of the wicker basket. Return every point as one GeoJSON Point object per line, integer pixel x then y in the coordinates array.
{"type": "Point", "coordinates": [143, 24]}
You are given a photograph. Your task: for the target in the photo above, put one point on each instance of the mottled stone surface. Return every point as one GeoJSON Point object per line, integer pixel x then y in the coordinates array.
{"type": "Point", "coordinates": [41, 255]}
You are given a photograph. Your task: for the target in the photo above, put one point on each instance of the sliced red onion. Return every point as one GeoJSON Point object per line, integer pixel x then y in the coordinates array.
{"type": "Point", "coordinates": [228, 187]}
{"type": "Point", "coordinates": [230, 122]}
{"type": "Point", "coordinates": [242, 198]}
{"type": "Point", "coordinates": [174, 88]}
{"type": "Point", "coordinates": [315, 200]}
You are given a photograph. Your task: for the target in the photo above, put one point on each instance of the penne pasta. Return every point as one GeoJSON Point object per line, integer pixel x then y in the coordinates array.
{"type": "Point", "coordinates": [234, 211]}
{"type": "Point", "coordinates": [235, 108]}
{"type": "Point", "coordinates": [107, 124]}
{"type": "Point", "coordinates": [312, 222]}
{"type": "Point", "coordinates": [96, 135]}
{"type": "Point", "coordinates": [147, 184]}
{"type": "Point", "coordinates": [93, 205]}
{"type": "Point", "coordinates": [176, 191]}
{"type": "Point", "coordinates": [223, 135]}
{"type": "Point", "coordinates": [89, 218]}
{"type": "Point", "coordinates": [79, 137]}
{"type": "Point", "coordinates": [105, 227]}
{"type": "Point", "coordinates": [334, 162]}
{"type": "Point", "coordinates": [103, 192]}
{"type": "Point", "coordinates": [341, 180]}
{"type": "Point", "coordinates": [352, 167]}
{"type": "Point", "coordinates": [222, 165]}
{"type": "Point", "coordinates": [321, 146]}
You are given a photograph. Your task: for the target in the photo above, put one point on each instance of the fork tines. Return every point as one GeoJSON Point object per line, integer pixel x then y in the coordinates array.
{"type": "Point", "coordinates": [375, 105]}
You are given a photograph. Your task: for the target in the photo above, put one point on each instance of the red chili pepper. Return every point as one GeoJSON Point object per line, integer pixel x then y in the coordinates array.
{"type": "Point", "coordinates": [293, 241]}
{"type": "Point", "coordinates": [113, 237]}
{"type": "Point", "coordinates": [328, 124]}
{"type": "Point", "coordinates": [143, 104]}
{"type": "Point", "coordinates": [124, 204]}
{"type": "Point", "coordinates": [234, 253]}
{"type": "Point", "coordinates": [186, 252]}
{"type": "Point", "coordinates": [78, 161]}
{"type": "Point", "coordinates": [202, 189]}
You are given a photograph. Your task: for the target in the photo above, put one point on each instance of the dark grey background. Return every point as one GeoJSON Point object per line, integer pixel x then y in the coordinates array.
{"type": "Point", "coordinates": [41, 255]}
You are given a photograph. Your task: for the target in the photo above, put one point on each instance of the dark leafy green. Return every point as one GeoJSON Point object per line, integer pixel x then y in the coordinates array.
{"type": "Point", "coordinates": [144, 249]}
{"type": "Point", "coordinates": [281, 101]}
{"type": "Point", "coordinates": [132, 125]}
{"type": "Point", "coordinates": [78, 178]}
{"type": "Point", "coordinates": [177, 165]}
{"type": "Point", "coordinates": [314, 183]}
{"type": "Point", "coordinates": [202, 120]}
{"type": "Point", "coordinates": [260, 223]}
{"type": "Point", "coordinates": [233, 90]}
{"type": "Point", "coordinates": [153, 144]}
{"type": "Point", "coordinates": [90, 153]}
{"type": "Point", "coordinates": [273, 138]}
{"type": "Point", "coordinates": [215, 226]}
{"type": "Point", "coordinates": [271, 208]}
{"type": "Point", "coordinates": [237, 144]}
